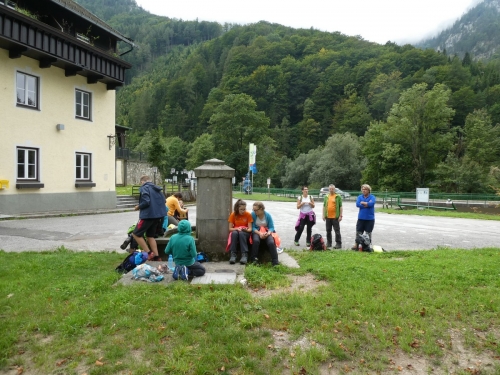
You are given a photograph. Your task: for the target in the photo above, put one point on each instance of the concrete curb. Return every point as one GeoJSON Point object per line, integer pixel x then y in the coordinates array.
{"type": "Point", "coordinates": [41, 215]}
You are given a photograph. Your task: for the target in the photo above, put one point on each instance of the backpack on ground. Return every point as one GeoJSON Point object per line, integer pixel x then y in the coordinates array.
{"type": "Point", "coordinates": [127, 265]}
{"type": "Point", "coordinates": [364, 241]}
{"type": "Point", "coordinates": [131, 261]}
{"type": "Point", "coordinates": [201, 257]}
{"type": "Point", "coordinates": [317, 243]}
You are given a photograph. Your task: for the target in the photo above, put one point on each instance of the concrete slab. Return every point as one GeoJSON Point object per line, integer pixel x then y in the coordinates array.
{"type": "Point", "coordinates": [216, 278]}
{"type": "Point", "coordinates": [287, 260]}
{"type": "Point", "coordinates": [216, 273]}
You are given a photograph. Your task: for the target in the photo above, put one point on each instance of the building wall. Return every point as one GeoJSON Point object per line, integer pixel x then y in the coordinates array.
{"type": "Point", "coordinates": [23, 127]}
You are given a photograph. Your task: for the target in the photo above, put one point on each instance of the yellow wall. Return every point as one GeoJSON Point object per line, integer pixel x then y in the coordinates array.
{"type": "Point", "coordinates": [37, 128]}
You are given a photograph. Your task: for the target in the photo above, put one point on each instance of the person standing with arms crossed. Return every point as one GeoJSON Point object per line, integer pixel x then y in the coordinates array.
{"type": "Point", "coordinates": [332, 215]}
{"type": "Point", "coordinates": [151, 209]}
{"type": "Point", "coordinates": [366, 216]}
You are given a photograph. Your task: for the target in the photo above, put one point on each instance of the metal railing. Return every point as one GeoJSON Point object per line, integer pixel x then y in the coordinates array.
{"type": "Point", "coordinates": [122, 153]}
{"type": "Point", "coordinates": [127, 154]}
{"type": "Point", "coordinates": [138, 156]}
{"type": "Point", "coordinates": [391, 198]}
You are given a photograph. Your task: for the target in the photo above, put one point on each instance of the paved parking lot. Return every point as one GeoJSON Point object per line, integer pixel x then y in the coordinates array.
{"type": "Point", "coordinates": [392, 232]}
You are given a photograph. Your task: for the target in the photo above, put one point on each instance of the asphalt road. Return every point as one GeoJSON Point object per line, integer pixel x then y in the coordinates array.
{"type": "Point", "coordinates": [392, 232]}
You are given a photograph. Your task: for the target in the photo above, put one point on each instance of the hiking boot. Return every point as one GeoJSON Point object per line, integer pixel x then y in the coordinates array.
{"type": "Point", "coordinates": [276, 264]}
{"type": "Point", "coordinates": [232, 260]}
{"type": "Point", "coordinates": [355, 247]}
{"type": "Point", "coordinates": [308, 244]}
{"type": "Point", "coordinates": [279, 250]}
{"type": "Point", "coordinates": [296, 243]}
{"type": "Point", "coordinates": [328, 245]}
{"type": "Point", "coordinates": [255, 261]}
{"type": "Point", "coordinates": [244, 259]}
{"type": "Point", "coordinates": [338, 246]}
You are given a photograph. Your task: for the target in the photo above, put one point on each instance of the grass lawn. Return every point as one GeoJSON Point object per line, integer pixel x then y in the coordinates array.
{"type": "Point", "coordinates": [124, 190]}
{"type": "Point", "coordinates": [362, 313]}
{"type": "Point", "coordinates": [263, 197]}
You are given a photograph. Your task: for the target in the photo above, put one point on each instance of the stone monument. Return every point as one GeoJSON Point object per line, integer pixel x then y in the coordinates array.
{"type": "Point", "coordinates": [213, 207]}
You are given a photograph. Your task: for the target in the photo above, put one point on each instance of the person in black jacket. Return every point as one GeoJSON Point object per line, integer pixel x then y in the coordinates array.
{"type": "Point", "coordinates": [152, 209]}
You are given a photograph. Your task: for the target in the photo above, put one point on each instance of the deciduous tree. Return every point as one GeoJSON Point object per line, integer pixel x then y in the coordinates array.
{"type": "Point", "coordinates": [201, 149]}
{"type": "Point", "coordinates": [340, 163]}
{"type": "Point", "coordinates": [234, 124]}
{"type": "Point", "coordinates": [420, 122]}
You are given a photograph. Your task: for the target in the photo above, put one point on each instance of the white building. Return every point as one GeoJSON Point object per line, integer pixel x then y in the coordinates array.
{"type": "Point", "coordinates": [58, 75]}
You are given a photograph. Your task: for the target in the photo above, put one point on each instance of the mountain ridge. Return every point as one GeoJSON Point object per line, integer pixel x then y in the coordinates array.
{"type": "Point", "coordinates": [476, 32]}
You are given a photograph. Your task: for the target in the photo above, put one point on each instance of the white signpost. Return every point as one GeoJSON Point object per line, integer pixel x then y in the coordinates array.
{"type": "Point", "coordinates": [252, 152]}
{"type": "Point", "coordinates": [422, 196]}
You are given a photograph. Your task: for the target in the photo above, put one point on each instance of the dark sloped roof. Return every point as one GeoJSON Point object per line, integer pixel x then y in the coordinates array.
{"type": "Point", "coordinates": [84, 13]}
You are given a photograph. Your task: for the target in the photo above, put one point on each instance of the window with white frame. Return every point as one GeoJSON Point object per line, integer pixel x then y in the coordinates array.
{"type": "Point", "coordinates": [83, 167]}
{"type": "Point", "coordinates": [83, 104]}
{"type": "Point", "coordinates": [27, 164]}
{"type": "Point", "coordinates": [27, 90]}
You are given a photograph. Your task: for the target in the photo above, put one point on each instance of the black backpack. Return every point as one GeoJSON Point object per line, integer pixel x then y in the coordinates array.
{"type": "Point", "coordinates": [317, 243]}
{"type": "Point", "coordinates": [127, 265]}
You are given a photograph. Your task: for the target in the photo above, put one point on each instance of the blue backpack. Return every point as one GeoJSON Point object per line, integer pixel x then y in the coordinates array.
{"type": "Point", "coordinates": [201, 257]}
{"type": "Point", "coordinates": [127, 265]}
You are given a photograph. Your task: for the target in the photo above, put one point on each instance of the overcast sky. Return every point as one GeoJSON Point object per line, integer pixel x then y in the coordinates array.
{"type": "Point", "coordinates": [401, 21]}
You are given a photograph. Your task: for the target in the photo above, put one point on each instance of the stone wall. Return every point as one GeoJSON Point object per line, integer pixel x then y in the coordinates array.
{"type": "Point", "coordinates": [136, 169]}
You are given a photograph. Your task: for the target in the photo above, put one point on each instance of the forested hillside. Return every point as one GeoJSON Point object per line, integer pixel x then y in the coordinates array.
{"type": "Point", "coordinates": [475, 34]}
{"type": "Point", "coordinates": [153, 35]}
{"type": "Point", "coordinates": [321, 107]}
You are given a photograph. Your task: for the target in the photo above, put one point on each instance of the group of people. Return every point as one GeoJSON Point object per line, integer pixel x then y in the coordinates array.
{"type": "Point", "coordinates": [254, 228]}
{"type": "Point", "coordinates": [332, 213]}
{"type": "Point", "coordinates": [152, 208]}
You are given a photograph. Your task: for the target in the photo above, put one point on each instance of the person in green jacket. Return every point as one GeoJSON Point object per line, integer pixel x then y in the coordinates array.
{"type": "Point", "coordinates": [332, 215]}
{"type": "Point", "coordinates": [183, 249]}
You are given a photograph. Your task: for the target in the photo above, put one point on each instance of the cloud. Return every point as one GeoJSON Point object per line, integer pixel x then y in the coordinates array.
{"type": "Point", "coordinates": [374, 20]}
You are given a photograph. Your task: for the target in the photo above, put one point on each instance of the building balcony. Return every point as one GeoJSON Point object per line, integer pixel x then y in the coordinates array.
{"type": "Point", "coordinates": [22, 35]}
{"type": "Point", "coordinates": [122, 153]}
